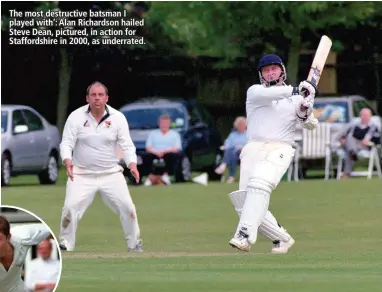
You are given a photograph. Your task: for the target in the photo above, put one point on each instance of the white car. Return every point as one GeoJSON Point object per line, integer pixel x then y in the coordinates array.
{"type": "Point", "coordinates": [29, 145]}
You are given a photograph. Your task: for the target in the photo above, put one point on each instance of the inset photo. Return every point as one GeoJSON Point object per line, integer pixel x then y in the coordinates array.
{"type": "Point", "coordinates": [30, 258]}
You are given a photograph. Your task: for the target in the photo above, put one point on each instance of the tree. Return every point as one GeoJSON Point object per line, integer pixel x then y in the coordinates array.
{"type": "Point", "coordinates": [316, 17]}
{"type": "Point", "coordinates": [229, 29]}
{"type": "Point", "coordinates": [364, 39]}
{"type": "Point", "coordinates": [205, 28]}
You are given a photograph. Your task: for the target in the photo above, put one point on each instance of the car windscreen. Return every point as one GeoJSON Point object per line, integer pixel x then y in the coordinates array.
{"type": "Point", "coordinates": [4, 121]}
{"type": "Point", "coordinates": [148, 118]}
{"type": "Point", "coordinates": [331, 111]}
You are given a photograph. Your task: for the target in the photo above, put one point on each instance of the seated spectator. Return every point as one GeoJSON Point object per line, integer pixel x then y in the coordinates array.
{"type": "Point", "coordinates": [233, 145]}
{"type": "Point", "coordinates": [163, 145]}
{"type": "Point", "coordinates": [42, 273]}
{"type": "Point", "coordinates": [356, 138]}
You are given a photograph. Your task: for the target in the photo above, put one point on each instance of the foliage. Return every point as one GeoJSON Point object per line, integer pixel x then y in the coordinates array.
{"type": "Point", "coordinates": [232, 30]}
{"type": "Point", "coordinates": [227, 29]}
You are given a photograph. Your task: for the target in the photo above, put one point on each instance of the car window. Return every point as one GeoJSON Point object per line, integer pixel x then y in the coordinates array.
{"type": "Point", "coordinates": [331, 112]}
{"type": "Point", "coordinates": [4, 121]}
{"type": "Point", "coordinates": [18, 119]}
{"type": "Point", "coordinates": [34, 122]}
{"type": "Point", "coordinates": [360, 104]}
{"type": "Point", "coordinates": [148, 118]}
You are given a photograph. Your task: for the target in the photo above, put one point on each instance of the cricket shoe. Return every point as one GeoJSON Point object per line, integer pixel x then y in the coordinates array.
{"type": "Point", "coordinates": [138, 247]}
{"type": "Point", "coordinates": [63, 247]}
{"type": "Point", "coordinates": [240, 241]}
{"type": "Point", "coordinates": [282, 246]}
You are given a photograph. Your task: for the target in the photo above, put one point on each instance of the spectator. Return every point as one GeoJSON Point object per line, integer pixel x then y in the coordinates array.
{"type": "Point", "coordinates": [356, 138]}
{"type": "Point", "coordinates": [163, 145]}
{"type": "Point", "coordinates": [42, 273]}
{"type": "Point", "coordinates": [233, 145]}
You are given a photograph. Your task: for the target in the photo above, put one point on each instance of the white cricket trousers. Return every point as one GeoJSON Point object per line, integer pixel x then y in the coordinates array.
{"type": "Point", "coordinates": [264, 163]}
{"type": "Point", "coordinates": [114, 192]}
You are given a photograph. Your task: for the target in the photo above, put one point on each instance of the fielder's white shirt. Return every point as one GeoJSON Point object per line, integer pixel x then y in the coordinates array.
{"type": "Point", "coordinates": [41, 272]}
{"type": "Point", "coordinates": [92, 146]}
{"type": "Point", "coordinates": [22, 238]}
{"type": "Point", "coordinates": [271, 113]}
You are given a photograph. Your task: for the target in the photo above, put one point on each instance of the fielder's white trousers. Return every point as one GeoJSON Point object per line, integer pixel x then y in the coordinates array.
{"type": "Point", "coordinates": [114, 192]}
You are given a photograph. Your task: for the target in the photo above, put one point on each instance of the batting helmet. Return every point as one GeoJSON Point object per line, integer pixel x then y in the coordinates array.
{"type": "Point", "coordinates": [272, 59]}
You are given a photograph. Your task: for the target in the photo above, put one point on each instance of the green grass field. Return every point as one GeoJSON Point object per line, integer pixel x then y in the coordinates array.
{"type": "Point", "coordinates": [186, 229]}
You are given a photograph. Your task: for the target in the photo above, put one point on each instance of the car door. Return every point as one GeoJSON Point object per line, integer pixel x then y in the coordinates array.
{"type": "Point", "coordinates": [197, 138]}
{"type": "Point", "coordinates": [22, 144]}
{"type": "Point", "coordinates": [40, 137]}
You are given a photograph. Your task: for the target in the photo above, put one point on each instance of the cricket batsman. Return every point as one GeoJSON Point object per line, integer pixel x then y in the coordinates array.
{"type": "Point", "coordinates": [15, 243]}
{"type": "Point", "coordinates": [88, 150]}
{"type": "Point", "coordinates": [273, 110]}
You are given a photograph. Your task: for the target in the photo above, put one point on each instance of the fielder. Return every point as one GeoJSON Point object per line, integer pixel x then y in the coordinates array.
{"type": "Point", "coordinates": [273, 110]}
{"type": "Point", "coordinates": [14, 246]}
{"type": "Point", "coordinates": [91, 135]}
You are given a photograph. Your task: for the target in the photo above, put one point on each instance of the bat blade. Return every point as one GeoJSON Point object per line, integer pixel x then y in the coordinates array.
{"type": "Point", "coordinates": [319, 60]}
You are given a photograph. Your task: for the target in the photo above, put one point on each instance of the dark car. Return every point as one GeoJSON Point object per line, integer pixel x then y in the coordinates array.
{"type": "Point", "coordinates": [201, 139]}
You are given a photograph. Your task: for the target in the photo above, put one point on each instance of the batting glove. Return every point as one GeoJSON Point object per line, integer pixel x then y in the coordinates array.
{"type": "Point", "coordinates": [305, 108]}
{"type": "Point", "coordinates": [307, 89]}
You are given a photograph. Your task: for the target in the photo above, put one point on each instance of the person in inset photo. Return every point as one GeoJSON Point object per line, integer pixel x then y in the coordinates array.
{"type": "Point", "coordinates": [20, 234]}
{"type": "Point", "coordinates": [43, 271]}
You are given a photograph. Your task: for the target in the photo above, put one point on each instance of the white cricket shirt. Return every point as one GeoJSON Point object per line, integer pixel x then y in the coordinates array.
{"type": "Point", "coordinates": [271, 113]}
{"type": "Point", "coordinates": [41, 272]}
{"type": "Point", "coordinates": [92, 145]}
{"type": "Point", "coordinates": [22, 238]}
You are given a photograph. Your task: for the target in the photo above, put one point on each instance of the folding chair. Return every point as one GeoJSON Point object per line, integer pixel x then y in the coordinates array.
{"type": "Point", "coordinates": [372, 155]}
{"type": "Point", "coordinates": [315, 145]}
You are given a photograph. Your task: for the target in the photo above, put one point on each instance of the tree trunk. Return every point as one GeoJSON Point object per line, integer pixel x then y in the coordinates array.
{"type": "Point", "coordinates": [64, 75]}
{"type": "Point", "coordinates": [294, 59]}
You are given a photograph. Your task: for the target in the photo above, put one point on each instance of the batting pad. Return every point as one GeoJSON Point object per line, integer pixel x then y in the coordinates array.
{"type": "Point", "coordinates": [269, 227]}
{"type": "Point", "coordinates": [238, 198]}
{"type": "Point", "coordinates": [271, 230]}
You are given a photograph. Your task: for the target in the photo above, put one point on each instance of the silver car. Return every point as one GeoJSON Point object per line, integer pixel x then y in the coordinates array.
{"type": "Point", "coordinates": [29, 145]}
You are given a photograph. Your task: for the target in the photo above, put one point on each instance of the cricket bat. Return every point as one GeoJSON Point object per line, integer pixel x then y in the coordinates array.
{"type": "Point", "coordinates": [319, 60]}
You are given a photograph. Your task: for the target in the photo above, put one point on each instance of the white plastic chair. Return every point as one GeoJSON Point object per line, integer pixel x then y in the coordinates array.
{"type": "Point", "coordinates": [315, 145]}
{"type": "Point", "coordinates": [372, 155]}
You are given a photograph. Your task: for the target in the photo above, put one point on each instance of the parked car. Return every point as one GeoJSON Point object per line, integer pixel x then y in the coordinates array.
{"type": "Point", "coordinates": [29, 145]}
{"type": "Point", "coordinates": [201, 139]}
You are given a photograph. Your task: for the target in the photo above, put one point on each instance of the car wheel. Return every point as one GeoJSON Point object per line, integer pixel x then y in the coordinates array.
{"type": "Point", "coordinates": [49, 175]}
{"type": "Point", "coordinates": [212, 175]}
{"type": "Point", "coordinates": [184, 173]}
{"type": "Point", "coordinates": [6, 170]}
